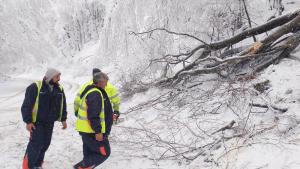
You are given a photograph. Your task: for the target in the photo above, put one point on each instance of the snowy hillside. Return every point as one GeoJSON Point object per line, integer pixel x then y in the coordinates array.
{"type": "Point", "coordinates": [182, 126]}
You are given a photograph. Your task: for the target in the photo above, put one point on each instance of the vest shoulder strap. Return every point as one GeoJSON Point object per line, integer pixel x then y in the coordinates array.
{"type": "Point", "coordinates": [92, 90]}
{"type": "Point", "coordinates": [39, 86]}
{"type": "Point", "coordinates": [88, 88]}
{"type": "Point", "coordinates": [61, 88]}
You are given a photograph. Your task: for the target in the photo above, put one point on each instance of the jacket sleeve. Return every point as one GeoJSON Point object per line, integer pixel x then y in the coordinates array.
{"type": "Point", "coordinates": [28, 103]}
{"type": "Point", "coordinates": [64, 113]}
{"type": "Point", "coordinates": [115, 99]}
{"type": "Point", "coordinates": [108, 112]}
{"type": "Point", "coordinates": [94, 104]}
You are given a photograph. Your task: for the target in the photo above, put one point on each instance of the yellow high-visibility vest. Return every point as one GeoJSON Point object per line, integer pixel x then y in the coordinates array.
{"type": "Point", "coordinates": [111, 91]}
{"type": "Point", "coordinates": [36, 104]}
{"type": "Point", "coordinates": [82, 122]}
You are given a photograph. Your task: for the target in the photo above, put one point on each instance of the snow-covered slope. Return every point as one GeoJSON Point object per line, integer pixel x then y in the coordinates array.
{"type": "Point", "coordinates": [27, 30]}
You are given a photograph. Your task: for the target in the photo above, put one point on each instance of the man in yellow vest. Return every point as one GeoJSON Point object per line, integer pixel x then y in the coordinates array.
{"type": "Point", "coordinates": [94, 121]}
{"type": "Point", "coordinates": [44, 103]}
{"type": "Point", "coordinates": [111, 91]}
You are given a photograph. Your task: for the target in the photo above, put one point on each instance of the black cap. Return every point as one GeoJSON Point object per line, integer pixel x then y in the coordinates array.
{"type": "Point", "coordinates": [96, 70]}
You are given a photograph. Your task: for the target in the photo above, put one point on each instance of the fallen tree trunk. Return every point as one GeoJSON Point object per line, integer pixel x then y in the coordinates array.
{"type": "Point", "coordinates": [289, 46]}
{"type": "Point", "coordinates": [260, 55]}
{"type": "Point", "coordinates": [215, 58]}
{"type": "Point", "coordinates": [255, 31]}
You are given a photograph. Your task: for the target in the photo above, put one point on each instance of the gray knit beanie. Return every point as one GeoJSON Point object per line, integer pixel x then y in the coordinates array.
{"type": "Point", "coordinates": [99, 76]}
{"type": "Point", "coordinates": [51, 72]}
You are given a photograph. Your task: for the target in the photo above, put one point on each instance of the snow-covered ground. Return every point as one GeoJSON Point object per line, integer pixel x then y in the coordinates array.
{"type": "Point", "coordinates": [66, 146]}
{"type": "Point", "coordinates": [267, 152]}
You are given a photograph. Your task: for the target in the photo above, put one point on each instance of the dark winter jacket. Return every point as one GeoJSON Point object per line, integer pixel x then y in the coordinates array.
{"type": "Point", "coordinates": [49, 103]}
{"type": "Point", "coordinates": [94, 104]}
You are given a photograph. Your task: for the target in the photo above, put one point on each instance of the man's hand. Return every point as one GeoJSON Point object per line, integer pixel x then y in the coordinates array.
{"type": "Point", "coordinates": [99, 137]}
{"type": "Point", "coordinates": [30, 127]}
{"type": "Point", "coordinates": [116, 115]}
{"type": "Point", "coordinates": [64, 124]}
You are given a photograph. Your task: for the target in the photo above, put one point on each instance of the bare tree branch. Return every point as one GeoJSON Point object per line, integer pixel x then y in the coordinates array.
{"type": "Point", "coordinates": [170, 32]}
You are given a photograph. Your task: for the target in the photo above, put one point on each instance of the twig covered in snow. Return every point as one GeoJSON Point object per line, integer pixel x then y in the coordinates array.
{"type": "Point", "coordinates": [266, 106]}
{"type": "Point", "coordinates": [228, 126]}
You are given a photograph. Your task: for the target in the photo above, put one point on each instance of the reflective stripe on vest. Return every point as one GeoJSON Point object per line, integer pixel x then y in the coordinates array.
{"type": "Point", "coordinates": [61, 103]}
{"type": "Point", "coordinates": [82, 122]}
{"type": "Point", "coordinates": [36, 104]}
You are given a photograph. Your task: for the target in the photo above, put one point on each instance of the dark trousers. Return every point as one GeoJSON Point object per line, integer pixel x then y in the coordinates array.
{"type": "Point", "coordinates": [94, 152]}
{"type": "Point", "coordinates": [39, 142]}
